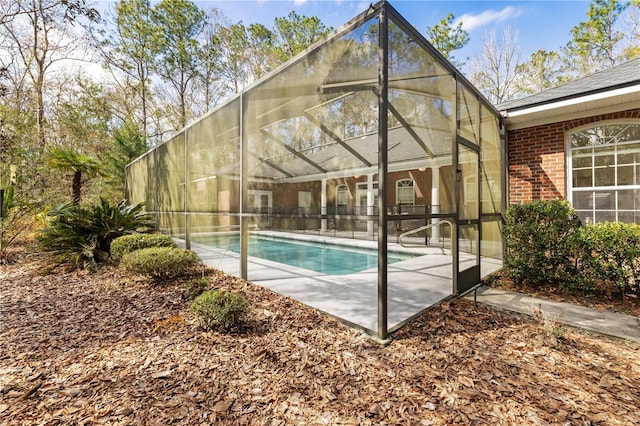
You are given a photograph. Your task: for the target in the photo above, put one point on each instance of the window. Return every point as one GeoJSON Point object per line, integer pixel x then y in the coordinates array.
{"type": "Point", "coordinates": [603, 172]}
{"type": "Point", "coordinates": [405, 195]}
{"type": "Point", "coordinates": [304, 202]}
{"type": "Point", "coordinates": [342, 198]}
{"type": "Point", "coordinates": [362, 197]}
{"type": "Point", "coordinates": [259, 202]}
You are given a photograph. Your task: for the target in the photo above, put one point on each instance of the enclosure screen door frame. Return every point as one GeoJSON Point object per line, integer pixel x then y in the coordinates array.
{"type": "Point", "coordinates": [468, 208]}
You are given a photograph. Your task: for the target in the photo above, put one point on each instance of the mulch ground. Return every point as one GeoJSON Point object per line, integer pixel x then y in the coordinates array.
{"type": "Point", "coordinates": [106, 348]}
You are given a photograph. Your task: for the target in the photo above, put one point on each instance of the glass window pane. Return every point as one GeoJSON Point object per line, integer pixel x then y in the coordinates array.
{"type": "Point", "coordinates": [604, 176]}
{"type": "Point", "coordinates": [626, 175]}
{"type": "Point", "coordinates": [629, 216]}
{"type": "Point", "coordinates": [604, 156]}
{"type": "Point", "coordinates": [605, 215]}
{"type": "Point", "coordinates": [603, 200]}
{"type": "Point", "coordinates": [582, 158]}
{"type": "Point", "coordinates": [582, 200]}
{"type": "Point", "coordinates": [629, 199]}
{"type": "Point", "coordinates": [629, 154]}
{"type": "Point", "coordinates": [582, 178]}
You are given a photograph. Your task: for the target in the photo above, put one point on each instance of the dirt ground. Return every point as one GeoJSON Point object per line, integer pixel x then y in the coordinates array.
{"type": "Point", "coordinates": [105, 348]}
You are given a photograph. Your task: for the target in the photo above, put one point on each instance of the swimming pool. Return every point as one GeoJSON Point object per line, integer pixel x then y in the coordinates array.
{"type": "Point", "coordinates": [323, 258]}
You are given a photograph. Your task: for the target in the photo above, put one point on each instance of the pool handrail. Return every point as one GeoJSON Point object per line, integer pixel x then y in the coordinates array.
{"type": "Point", "coordinates": [422, 228]}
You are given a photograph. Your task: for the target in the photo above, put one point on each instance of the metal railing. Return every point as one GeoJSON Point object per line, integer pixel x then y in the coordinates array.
{"type": "Point", "coordinates": [420, 229]}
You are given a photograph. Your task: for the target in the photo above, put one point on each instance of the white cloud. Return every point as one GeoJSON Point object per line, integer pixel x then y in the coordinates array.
{"type": "Point", "coordinates": [471, 22]}
{"type": "Point", "coordinates": [299, 2]}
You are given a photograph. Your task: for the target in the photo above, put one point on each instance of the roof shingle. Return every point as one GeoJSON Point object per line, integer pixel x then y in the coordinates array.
{"type": "Point", "coordinates": [626, 74]}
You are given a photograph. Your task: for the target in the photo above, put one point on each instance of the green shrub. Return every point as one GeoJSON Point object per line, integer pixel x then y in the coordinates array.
{"type": "Point", "coordinates": [540, 243]}
{"type": "Point", "coordinates": [83, 235]}
{"type": "Point", "coordinates": [159, 263]}
{"type": "Point", "coordinates": [610, 253]}
{"type": "Point", "coordinates": [128, 243]}
{"type": "Point", "coordinates": [195, 287]}
{"type": "Point", "coordinates": [220, 308]}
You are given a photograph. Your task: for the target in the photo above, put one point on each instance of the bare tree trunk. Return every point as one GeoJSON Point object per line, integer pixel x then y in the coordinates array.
{"type": "Point", "coordinates": [76, 186]}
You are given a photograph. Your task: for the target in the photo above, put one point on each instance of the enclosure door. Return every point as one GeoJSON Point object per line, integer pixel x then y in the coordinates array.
{"type": "Point", "coordinates": [468, 173]}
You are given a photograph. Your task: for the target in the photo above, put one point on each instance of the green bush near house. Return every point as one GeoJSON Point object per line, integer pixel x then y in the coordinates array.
{"type": "Point", "coordinates": [546, 244]}
{"type": "Point", "coordinates": [220, 308]}
{"type": "Point", "coordinates": [610, 254]}
{"type": "Point", "coordinates": [540, 242]}
{"type": "Point", "coordinates": [160, 263]}
{"type": "Point", "coordinates": [128, 243]}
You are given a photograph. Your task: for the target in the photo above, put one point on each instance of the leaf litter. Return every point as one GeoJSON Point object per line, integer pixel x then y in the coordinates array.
{"type": "Point", "coordinates": [105, 348]}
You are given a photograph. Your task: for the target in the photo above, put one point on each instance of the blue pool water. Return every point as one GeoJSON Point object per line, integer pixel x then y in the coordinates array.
{"type": "Point", "coordinates": [326, 259]}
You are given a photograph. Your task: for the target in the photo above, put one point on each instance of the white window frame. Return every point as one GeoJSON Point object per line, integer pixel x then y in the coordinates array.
{"type": "Point", "coordinates": [255, 201]}
{"type": "Point", "coordinates": [402, 183]}
{"type": "Point", "coordinates": [590, 215]}
{"type": "Point", "coordinates": [342, 190]}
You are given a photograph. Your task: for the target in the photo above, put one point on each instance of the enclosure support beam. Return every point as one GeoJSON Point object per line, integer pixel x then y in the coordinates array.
{"type": "Point", "coordinates": [370, 201]}
{"type": "Point", "coordinates": [336, 138]}
{"type": "Point", "coordinates": [244, 184]}
{"type": "Point", "coordinates": [187, 173]}
{"type": "Point", "coordinates": [410, 130]}
{"type": "Point", "coordinates": [293, 151]}
{"type": "Point", "coordinates": [383, 86]}
{"type": "Point", "coordinates": [323, 204]}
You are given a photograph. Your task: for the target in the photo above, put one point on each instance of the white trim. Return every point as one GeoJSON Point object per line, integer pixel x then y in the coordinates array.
{"type": "Point", "coordinates": [569, 109]}
{"type": "Point", "coordinates": [575, 101]}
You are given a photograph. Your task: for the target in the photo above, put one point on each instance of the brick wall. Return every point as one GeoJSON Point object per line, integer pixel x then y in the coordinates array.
{"type": "Point", "coordinates": [537, 157]}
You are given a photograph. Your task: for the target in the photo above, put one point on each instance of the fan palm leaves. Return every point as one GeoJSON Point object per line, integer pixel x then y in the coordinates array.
{"type": "Point", "coordinates": [68, 160]}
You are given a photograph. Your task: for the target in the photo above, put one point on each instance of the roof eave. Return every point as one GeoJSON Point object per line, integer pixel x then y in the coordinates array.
{"type": "Point", "coordinates": [578, 107]}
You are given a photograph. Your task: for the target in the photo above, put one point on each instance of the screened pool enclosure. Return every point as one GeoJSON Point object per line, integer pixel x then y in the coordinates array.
{"type": "Point", "coordinates": [364, 178]}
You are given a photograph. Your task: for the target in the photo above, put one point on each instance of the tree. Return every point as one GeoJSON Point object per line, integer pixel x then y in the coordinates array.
{"type": "Point", "coordinates": [295, 33]}
{"type": "Point", "coordinates": [130, 48]}
{"type": "Point", "coordinates": [234, 46]}
{"type": "Point", "coordinates": [68, 160]}
{"type": "Point", "coordinates": [447, 38]}
{"type": "Point", "coordinates": [262, 56]}
{"type": "Point", "coordinates": [125, 145]}
{"type": "Point", "coordinates": [594, 45]}
{"type": "Point", "coordinates": [179, 24]}
{"type": "Point", "coordinates": [544, 70]}
{"type": "Point", "coordinates": [494, 71]}
{"type": "Point", "coordinates": [631, 28]}
{"type": "Point", "coordinates": [39, 35]}
{"type": "Point", "coordinates": [208, 84]}
{"type": "Point", "coordinates": [83, 116]}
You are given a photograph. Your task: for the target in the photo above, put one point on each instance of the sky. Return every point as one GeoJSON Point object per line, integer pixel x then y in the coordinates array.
{"type": "Point", "coordinates": [541, 24]}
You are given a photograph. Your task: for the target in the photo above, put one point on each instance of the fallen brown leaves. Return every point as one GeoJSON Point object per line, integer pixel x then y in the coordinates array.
{"type": "Point", "coordinates": [81, 348]}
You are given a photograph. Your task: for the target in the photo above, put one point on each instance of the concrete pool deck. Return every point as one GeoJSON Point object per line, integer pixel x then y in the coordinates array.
{"type": "Point", "coordinates": [413, 285]}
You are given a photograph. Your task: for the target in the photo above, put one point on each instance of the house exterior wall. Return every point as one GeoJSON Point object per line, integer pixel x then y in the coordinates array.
{"type": "Point", "coordinates": [537, 157]}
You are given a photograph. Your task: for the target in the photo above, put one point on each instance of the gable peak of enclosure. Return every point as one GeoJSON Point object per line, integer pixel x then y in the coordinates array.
{"type": "Point", "coordinates": [364, 177]}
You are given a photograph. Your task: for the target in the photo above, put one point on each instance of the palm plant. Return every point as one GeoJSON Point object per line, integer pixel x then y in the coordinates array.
{"type": "Point", "coordinates": [71, 161]}
{"type": "Point", "coordinates": [82, 236]}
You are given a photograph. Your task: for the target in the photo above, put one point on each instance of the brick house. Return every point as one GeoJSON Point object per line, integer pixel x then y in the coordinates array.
{"type": "Point", "coordinates": [581, 142]}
